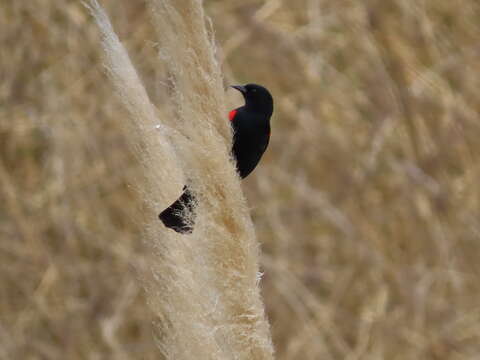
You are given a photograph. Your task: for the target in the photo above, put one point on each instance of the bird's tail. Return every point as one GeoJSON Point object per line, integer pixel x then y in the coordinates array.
{"type": "Point", "coordinates": [176, 216]}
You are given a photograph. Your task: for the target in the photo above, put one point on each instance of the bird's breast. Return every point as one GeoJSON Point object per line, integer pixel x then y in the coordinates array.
{"type": "Point", "coordinates": [250, 142]}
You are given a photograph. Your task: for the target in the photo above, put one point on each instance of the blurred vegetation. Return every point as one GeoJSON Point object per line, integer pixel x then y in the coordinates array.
{"type": "Point", "coordinates": [366, 203]}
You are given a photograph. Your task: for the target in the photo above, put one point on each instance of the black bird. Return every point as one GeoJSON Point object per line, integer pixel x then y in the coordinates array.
{"type": "Point", "coordinates": [251, 134]}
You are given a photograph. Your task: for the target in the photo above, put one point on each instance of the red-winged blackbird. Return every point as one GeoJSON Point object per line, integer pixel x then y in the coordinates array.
{"type": "Point", "coordinates": [251, 133]}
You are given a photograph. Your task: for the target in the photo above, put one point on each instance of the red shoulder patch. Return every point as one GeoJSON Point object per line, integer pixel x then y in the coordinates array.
{"type": "Point", "coordinates": [231, 114]}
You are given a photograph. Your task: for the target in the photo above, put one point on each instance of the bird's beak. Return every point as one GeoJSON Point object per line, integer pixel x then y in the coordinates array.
{"type": "Point", "coordinates": [240, 88]}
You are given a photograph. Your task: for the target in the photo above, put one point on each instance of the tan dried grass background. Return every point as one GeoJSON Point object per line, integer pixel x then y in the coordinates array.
{"type": "Point", "coordinates": [366, 203]}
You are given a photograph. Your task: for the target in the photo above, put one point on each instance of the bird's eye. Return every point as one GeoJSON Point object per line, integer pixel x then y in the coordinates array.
{"type": "Point", "coordinates": [253, 90]}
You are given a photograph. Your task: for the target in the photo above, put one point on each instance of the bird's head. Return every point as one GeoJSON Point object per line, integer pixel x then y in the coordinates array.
{"type": "Point", "coordinates": [256, 97]}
